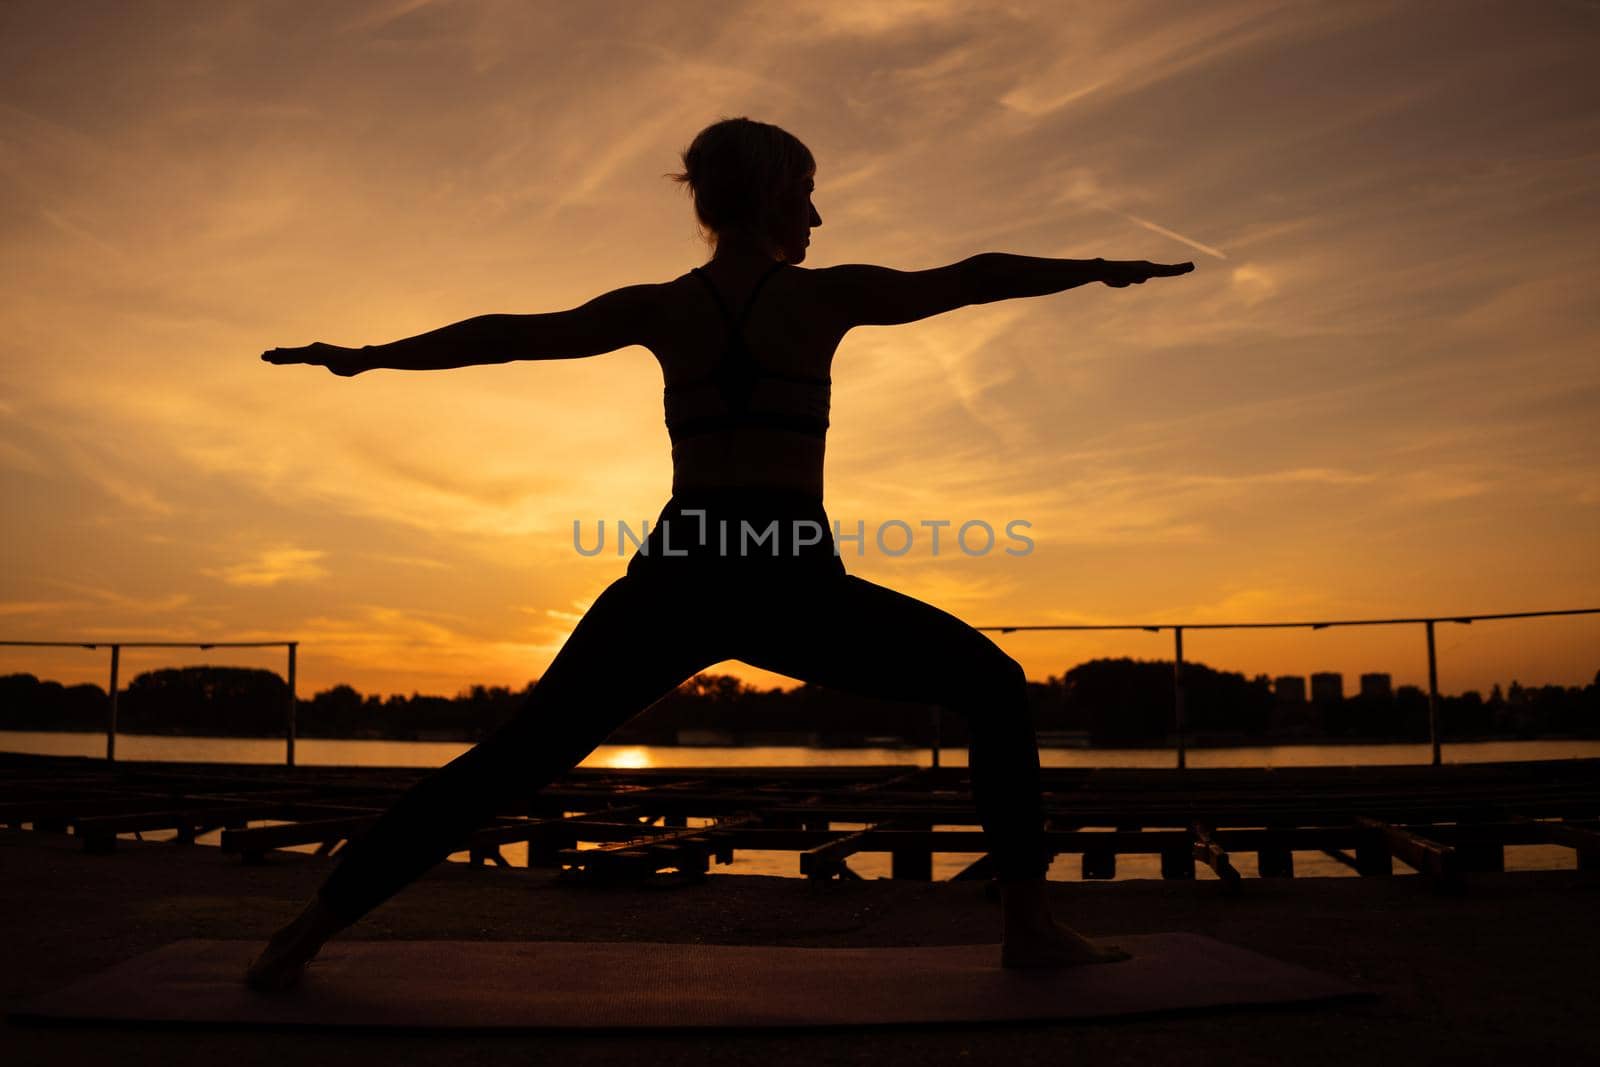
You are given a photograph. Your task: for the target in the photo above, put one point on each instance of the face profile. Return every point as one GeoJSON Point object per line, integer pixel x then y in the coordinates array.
{"type": "Point", "coordinates": [792, 235]}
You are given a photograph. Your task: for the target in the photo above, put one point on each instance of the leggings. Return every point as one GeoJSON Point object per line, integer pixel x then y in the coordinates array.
{"type": "Point", "coordinates": [684, 605]}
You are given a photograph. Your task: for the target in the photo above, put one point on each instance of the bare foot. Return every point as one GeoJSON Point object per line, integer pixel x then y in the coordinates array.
{"type": "Point", "coordinates": [1056, 946]}
{"type": "Point", "coordinates": [1033, 937]}
{"type": "Point", "coordinates": [281, 963]}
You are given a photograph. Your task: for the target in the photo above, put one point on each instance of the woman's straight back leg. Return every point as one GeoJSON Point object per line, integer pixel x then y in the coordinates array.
{"type": "Point", "coordinates": [637, 642]}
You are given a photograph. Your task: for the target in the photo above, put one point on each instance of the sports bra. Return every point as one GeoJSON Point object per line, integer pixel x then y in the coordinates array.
{"type": "Point", "coordinates": [736, 377]}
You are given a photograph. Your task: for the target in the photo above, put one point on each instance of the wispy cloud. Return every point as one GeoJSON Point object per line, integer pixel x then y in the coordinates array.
{"type": "Point", "coordinates": [35, 607]}
{"type": "Point", "coordinates": [423, 562]}
{"type": "Point", "coordinates": [114, 474]}
{"type": "Point", "coordinates": [101, 597]}
{"type": "Point", "coordinates": [884, 18]}
{"type": "Point", "coordinates": [381, 14]}
{"type": "Point", "coordinates": [1163, 231]}
{"type": "Point", "coordinates": [271, 566]}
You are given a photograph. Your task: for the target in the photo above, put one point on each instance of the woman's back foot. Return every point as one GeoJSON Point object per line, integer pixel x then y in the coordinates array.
{"type": "Point", "coordinates": [282, 963]}
{"type": "Point", "coordinates": [1056, 946]}
{"type": "Point", "coordinates": [273, 974]}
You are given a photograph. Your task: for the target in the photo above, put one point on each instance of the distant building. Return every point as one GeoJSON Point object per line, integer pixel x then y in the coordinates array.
{"type": "Point", "coordinates": [1327, 687]}
{"type": "Point", "coordinates": [1291, 716]}
{"type": "Point", "coordinates": [1376, 687]}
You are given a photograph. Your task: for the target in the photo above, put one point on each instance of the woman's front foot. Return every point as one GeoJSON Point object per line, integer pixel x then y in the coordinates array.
{"type": "Point", "coordinates": [1055, 946]}
{"type": "Point", "coordinates": [1033, 938]}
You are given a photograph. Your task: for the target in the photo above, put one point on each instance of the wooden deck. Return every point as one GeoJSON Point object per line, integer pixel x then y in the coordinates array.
{"type": "Point", "coordinates": [1443, 821]}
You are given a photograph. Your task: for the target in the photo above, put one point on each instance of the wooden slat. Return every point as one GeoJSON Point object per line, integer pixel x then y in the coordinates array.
{"type": "Point", "coordinates": [1447, 819]}
{"type": "Point", "coordinates": [1210, 852]}
{"type": "Point", "coordinates": [827, 860]}
{"type": "Point", "coordinates": [1429, 857]}
{"type": "Point", "coordinates": [686, 849]}
{"type": "Point", "coordinates": [1582, 839]}
{"type": "Point", "coordinates": [257, 840]}
{"type": "Point", "coordinates": [99, 833]}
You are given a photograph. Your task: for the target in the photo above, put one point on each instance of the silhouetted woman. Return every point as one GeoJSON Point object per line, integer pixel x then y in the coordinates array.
{"type": "Point", "coordinates": [741, 563]}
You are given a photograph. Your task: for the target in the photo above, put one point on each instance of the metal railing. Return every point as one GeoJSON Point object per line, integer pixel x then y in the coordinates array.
{"type": "Point", "coordinates": [1177, 663]}
{"type": "Point", "coordinates": [116, 657]}
{"type": "Point", "coordinates": [1177, 666]}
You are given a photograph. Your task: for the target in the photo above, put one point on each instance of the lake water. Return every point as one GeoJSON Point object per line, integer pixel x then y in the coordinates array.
{"type": "Point", "coordinates": [317, 752]}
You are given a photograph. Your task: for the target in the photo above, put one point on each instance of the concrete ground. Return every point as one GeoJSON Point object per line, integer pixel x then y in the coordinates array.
{"type": "Point", "coordinates": [1503, 973]}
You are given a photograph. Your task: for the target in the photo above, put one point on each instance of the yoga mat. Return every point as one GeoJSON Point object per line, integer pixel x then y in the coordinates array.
{"type": "Point", "coordinates": [629, 985]}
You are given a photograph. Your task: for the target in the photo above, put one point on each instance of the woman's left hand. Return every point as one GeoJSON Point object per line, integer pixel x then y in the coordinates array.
{"type": "Point", "coordinates": [344, 362]}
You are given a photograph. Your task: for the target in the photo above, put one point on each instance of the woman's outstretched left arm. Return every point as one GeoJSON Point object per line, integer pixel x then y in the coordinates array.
{"type": "Point", "coordinates": [614, 320]}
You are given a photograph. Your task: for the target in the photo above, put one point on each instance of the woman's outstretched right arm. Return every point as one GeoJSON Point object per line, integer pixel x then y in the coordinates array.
{"type": "Point", "coordinates": [615, 320]}
{"type": "Point", "coordinates": [879, 296]}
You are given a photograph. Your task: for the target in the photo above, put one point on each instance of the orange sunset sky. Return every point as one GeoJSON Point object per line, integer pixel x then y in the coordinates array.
{"type": "Point", "coordinates": [1375, 396]}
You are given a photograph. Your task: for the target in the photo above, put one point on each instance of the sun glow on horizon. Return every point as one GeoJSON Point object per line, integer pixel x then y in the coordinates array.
{"type": "Point", "coordinates": [1374, 396]}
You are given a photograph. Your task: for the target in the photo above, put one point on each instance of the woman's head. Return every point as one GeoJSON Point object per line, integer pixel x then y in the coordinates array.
{"type": "Point", "coordinates": [751, 183]}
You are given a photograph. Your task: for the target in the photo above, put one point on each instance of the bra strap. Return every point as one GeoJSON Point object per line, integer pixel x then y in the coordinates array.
{"type": "Point", "coordinates": [736, 370]}
{"type": "Point", "coordinates": [715, 295]}
{"type": "Point", "coordinates": [751, 302]}
{"type": "Point", "coordinates": [736, 329]}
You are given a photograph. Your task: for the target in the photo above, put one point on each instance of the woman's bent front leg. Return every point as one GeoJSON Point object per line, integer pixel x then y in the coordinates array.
{"type": "Point", "coordinates": [853, 635]}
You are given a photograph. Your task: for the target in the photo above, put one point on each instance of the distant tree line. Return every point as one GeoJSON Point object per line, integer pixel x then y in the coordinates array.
{"type": "Point", "coordinates": [1130, 702]}
{"type": "Point", "coordinates": [1107, 702]}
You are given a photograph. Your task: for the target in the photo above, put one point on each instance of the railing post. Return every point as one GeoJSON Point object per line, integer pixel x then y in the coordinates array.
{"type": "Point", "coordinates": [937, 723]}
{"type": "Point", "coordinates": [111, 723]}
{"type": "Point", "coordinates": [1177, 692]}
{"type": "Point", "coordinates": [293, 647]}
{"type": "Point", "coordinates": [1433, 695]}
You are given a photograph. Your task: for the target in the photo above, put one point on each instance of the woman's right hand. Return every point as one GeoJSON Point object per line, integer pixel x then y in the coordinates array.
{"type": "Point", "coordinates": [344, 362]}
{"type": "Point", "coordinates": [1120, 273]}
